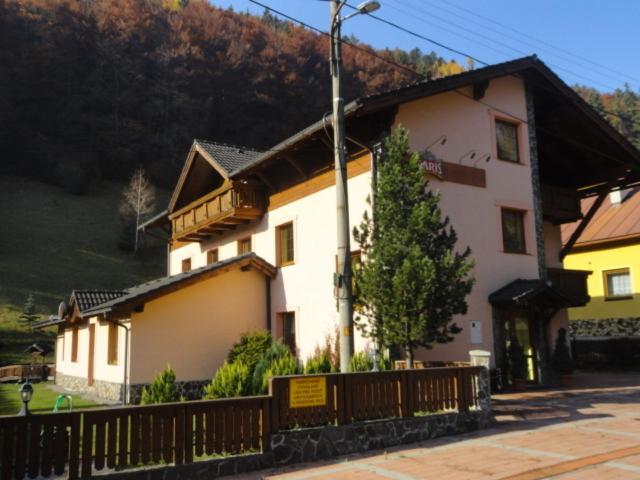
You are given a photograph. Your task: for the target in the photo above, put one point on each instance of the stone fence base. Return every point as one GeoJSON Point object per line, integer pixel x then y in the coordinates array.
{"type": "Point", "coordinates": [605, 327]}
{"type": "Point", "coordinates": [321, 443]}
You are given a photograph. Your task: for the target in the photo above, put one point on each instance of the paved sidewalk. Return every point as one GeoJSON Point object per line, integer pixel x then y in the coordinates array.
{"type": "Point", "coordinates": [591, 431]}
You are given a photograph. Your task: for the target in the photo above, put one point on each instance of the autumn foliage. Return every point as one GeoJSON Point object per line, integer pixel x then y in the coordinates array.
{"type": "Point", "coordinates": [91, 89]}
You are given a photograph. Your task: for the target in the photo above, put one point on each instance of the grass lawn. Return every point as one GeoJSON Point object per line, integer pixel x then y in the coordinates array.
{"type": "Point", "coordinates": [53, 242]}
{"type": "Point", "coordinates": [42, 401]}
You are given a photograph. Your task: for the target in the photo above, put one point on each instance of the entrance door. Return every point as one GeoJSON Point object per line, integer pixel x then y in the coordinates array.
{"type": "Point", "coordinates": [92, 341]}
{"type": "Point", "coordinates": [520, 325]}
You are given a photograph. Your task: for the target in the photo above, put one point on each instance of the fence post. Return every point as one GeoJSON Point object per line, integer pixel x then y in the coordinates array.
{"type": "Point", "coordinates": [266, 423]}
{"type": "Point", "coordinates": [74, 445]}
{"type": "Point", "coordinates": [275, 394]}
{"type": "Point", "coordinates": [341, 393]}
{"type": "Point", "coordinates": [406, 403]}
{"type": "Point", "coordinates": [463, 405]}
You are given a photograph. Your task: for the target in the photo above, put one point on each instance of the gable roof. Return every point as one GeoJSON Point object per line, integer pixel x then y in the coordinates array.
{"type": "Point", "coordinates": [162, 286]}
{"type": "Point", "coordinates": [611, 223]}
{"type": "Point", "coordinates": [225, 159]}
{"type": "Point", "coordinates": [530, 65]}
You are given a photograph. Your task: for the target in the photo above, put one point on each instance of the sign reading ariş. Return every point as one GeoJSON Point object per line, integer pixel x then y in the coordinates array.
{"type": "Point", "coordinates": [307, 392]}
{"type": "Point", "coordinates": [433, 166]}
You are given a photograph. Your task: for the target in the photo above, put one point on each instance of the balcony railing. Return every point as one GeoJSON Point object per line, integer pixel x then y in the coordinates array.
{"type": "Point", "coordinates": [560, 205]}
{"type": "Point", "coordinates": [217, 212]}
{"type": "Point", "coordinates": [572, 284]}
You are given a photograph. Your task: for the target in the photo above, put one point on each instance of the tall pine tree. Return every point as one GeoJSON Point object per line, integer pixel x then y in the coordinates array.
{"type": "Point", "coordinates": [412, 281]}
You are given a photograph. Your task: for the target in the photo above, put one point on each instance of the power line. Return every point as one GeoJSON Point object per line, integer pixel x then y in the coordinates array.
{"type": "Point", "coordinates": [507, 27]}
{"type": "Point", "coordinates": [418, 35]}
{"type": "Point", "coordinates": [498, 42]}
{"type": "Point", "coordinates": [409, 69]}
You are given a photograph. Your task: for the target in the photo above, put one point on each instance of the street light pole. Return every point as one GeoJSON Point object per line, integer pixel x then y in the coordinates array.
{"type": "Point", "coordinates": [342, 281]}
{"type": "Point", "coordinates": [343, 277]}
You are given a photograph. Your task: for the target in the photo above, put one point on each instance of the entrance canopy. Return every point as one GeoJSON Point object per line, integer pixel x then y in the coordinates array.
{"type": "Point", "coordinates": [529, 293]}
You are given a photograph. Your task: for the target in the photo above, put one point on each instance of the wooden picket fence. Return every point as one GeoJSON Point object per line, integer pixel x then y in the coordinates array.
{"type": "Point", "coordinates": [82, 443]}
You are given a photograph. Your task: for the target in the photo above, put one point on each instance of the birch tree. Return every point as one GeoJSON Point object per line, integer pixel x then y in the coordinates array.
{"type": "Point", "coordinates": [138, 202]}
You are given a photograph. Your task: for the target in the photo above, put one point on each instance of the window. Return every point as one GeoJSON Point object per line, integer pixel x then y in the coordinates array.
{"type": "Point", "coordinates": [186, 265]}
{"type": "Point", "coordinates": [112, 357]}
{"type": "Point", "coordinates": [74, 344]}
{"type": "Point", "coordinates": [617, 284]}
{"type": "Point", "coordinates": [244, 245]}
{"type": "Point", "coordinates": [507, 141]}
{"type": "Point", "coordinates": [284, 244]}
{"type": "Point", "coordinates": [212, 256]}
{"type": "Point", "coordinates": [513, 231]}
{"type": "Point", "coordinates": [287, 321]}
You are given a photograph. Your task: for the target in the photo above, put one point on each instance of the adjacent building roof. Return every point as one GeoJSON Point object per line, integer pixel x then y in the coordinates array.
{"type": "Point", "coordinates": [613, 222]}
{"type": "Point", "coordinates": [87, 299]}
{"type": "Point", "coordinates": [161, 286]}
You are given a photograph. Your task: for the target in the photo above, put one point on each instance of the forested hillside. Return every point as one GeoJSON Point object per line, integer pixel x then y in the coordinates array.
{"type": "Point", "coordinates": [91, 89]}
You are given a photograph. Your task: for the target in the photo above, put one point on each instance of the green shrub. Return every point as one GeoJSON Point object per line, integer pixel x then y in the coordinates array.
{"type": "Point", "coordinates": [275, 351]}
{"type": "Point", "coordinates": [250, 348]}
{"type": "Point", "coordinates": [285, 365]}
{"type": "Point", "coordinates": [362, 362]}
{"type": "Point", "coordinates": [230, 380]}
{"type": "Point", "coordinates": [320, 362]}
{"type": "Point", "coordinates": [162, 390]}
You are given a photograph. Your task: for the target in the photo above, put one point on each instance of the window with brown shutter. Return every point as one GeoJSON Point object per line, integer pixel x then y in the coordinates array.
{"type": "Point", "coordinates": [212, 256]}
{"type": "Point", "coordinates": [507, 147]}
{"type": "Point", "coordinates": [112, 358]}
{"type": "Point", "coordinates": [284, 245]}
{"type": "Point", "coordinates": [287, 325]}
{"type": "Point", "coordinates": [74, 344]}
{"type": "Point", "coordinates": [513, 235]}
{"type": "Point", "coordinates": [186, 265]}
{"type": "Point", "coordinates": [244, 245]}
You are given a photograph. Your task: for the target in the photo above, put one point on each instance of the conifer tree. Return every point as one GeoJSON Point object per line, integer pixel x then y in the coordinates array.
{"type": "Point", "coordinates": [412, 281]}
{"type": "Point", "coordinates": [29, 312]}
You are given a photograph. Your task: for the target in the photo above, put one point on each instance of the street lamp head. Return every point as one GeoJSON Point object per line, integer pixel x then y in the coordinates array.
{"type": "Point", "coordinates": [26, 391]}
{"type": "Point", "coordinates": [368, 7]}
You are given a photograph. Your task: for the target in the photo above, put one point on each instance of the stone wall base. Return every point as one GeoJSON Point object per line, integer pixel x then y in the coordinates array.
{"type": "Point", "coordinates": [605, 327]}
{"type": "Point", "coordinates": [310, 444]}
{"type": "Point", "coordinates": [109, 391]}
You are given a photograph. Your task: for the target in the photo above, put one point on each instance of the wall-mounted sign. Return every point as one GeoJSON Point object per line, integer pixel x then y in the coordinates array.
{"type": "Point", "coordinates": [433, 165]}
{"type": "Point", "coordinates": [307, 392]}
{"type": "Point", "coordinates": [475, 331]}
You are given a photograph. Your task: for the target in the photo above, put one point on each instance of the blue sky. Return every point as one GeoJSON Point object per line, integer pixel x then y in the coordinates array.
{"type": "Point", "coordinates": [590, 42]}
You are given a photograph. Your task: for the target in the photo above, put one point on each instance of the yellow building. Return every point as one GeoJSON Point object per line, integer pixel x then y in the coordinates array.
{"type": "Point", "coordinates": [610, 248]}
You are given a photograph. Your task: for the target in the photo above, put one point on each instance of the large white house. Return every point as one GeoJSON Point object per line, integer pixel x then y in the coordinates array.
{"type": "Point", "coordinates": [253, 234]}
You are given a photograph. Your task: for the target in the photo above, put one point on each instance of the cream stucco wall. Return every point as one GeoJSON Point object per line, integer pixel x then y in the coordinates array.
{"type": "Point", "coordinates": [192, 329]}
{"type": "Point", "coordinates": [474, 211]}
{"type": "Point", "coordinates": [102, 370]}
{"type": "Point", "coordinates": [306, 287]}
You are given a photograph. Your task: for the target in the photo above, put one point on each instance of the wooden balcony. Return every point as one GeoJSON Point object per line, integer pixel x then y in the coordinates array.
{"type": "Point", "coordinates": [572, 284]}
{"type": "Point", "coordinates": [560, 205]}
{"type": "Point", "coordinates": [218, 212]}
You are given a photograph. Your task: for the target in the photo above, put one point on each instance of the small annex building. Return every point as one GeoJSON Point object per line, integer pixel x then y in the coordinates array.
{"type": "Point", "coordinates": [113, 342]}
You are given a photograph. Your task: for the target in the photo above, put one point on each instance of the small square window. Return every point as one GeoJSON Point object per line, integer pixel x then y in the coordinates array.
{"type": "Point", "coordinates": [287, 321]}
{"type": "Point", "coordinates": [212, 256]}
{"type": "Point", "coordinates": [507, 141]}
{"type": "Point", "coordinates": [186, 265]}
{"type": "Point", "coordinates": [284, 245]}
{"type": "Point", "coordinates": [513, 240]}
{"type": "Point", "coordinates": [244, 246]}
{"type": "Point", "coordinates": [617, 284]}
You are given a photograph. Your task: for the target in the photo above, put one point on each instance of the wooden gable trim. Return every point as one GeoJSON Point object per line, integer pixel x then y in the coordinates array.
{"type": "Point", "coordinates": [195, 149]}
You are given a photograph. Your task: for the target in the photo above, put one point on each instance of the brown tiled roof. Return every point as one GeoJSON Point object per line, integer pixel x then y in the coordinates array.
{"type": "Point", "coordinates": [87, 299]}
{"type": "Point", "coordinates": [612, 222]}
{"type": "Point", "coordinates": [230, 157]}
